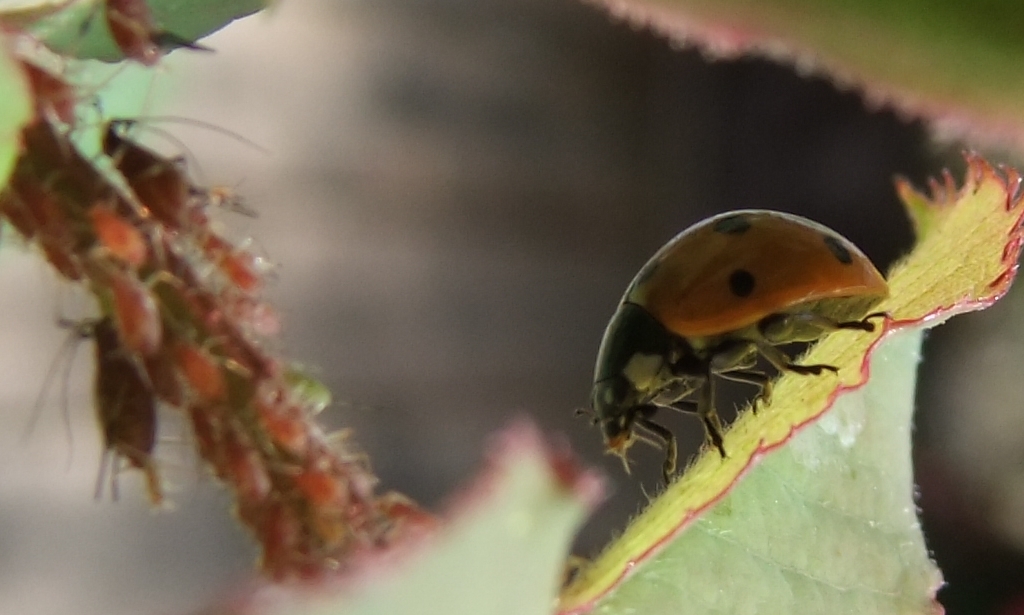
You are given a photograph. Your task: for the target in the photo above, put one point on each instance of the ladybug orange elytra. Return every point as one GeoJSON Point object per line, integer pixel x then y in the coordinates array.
{"type": "Point", "coordinates": [716, 297]}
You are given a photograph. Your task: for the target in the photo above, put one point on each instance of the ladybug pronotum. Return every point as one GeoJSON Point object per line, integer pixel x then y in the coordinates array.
{"type": "Point", "coordinates": [716, 297]}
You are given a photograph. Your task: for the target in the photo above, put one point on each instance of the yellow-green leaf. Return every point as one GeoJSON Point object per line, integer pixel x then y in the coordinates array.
{"type": "Point", "coordinates": [15, 110]}
{"type": "Point", "coordinates": [824, 513]}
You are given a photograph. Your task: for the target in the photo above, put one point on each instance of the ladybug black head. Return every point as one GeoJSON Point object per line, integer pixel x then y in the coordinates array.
{"type": "Point", "coordinates": [613, 400]}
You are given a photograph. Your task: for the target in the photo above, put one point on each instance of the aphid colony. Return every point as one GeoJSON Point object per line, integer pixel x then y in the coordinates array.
{"type": "Point", "coordinates": [180, 326]}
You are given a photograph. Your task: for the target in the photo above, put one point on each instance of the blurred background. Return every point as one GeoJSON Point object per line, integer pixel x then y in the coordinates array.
{"type": "Point", "coordinates": [455, 196]}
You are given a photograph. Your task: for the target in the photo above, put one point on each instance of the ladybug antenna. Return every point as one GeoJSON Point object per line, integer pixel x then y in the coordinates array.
{"type": "Point", "coordinates": [587, 412]}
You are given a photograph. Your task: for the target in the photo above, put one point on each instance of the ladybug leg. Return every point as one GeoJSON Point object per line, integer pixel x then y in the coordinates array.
{"type": "Point", "coordinates": [756, 378]}
{"type": "Point", "coordinates": [735, 360]}
{"type": "Point", "coordinates": [864, 324]}
{"type": "Point", "coordinates": [686, 407]}
{"type": "Point", "coordinates": [668, 439]}
{"type": "Point", "coordinates": [783, 363]}
{"type": "Point", "coordinates": [709, 416]}
{"type": "Point", "coordinates": [882, 315]}
{"type": "Point", "coordinates": [809, 327]}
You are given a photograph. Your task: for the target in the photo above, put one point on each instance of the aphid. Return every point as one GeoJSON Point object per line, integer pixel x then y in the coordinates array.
{"type": "Point", "coordinates": [207, 427]}
{"type": "Point", "coordinates": [126, 409]}
{"type": "Point", "coordinates": [134, 31]}
{"type": "Point", "coordinates": [51, 159]}
{"type": "Point", "coordinates": [716, 297]}
{"type": "Point", "coordinates": [54, 98]}
{"type": "Point", "coordinates": [322, 489]}
{"type": "Point", "coordinates": [13, 209]}
{"type": "Point", "coordinates": [161, 184]}
{"type": "Point", "coordinates": [163, 377]}
{"type": "Point", "coordinates": [119, 237]}
{"type": "Point", "coordinates": [240, 267]}
{"type": "Point", "coordinates": [306, 391]}
{"type": "Point", "coordinates": [187, 300]}
{"type": "Point", "coordinates": [244, 469]}
{"type": "Point", "coordinates": [280, 532]}
{"type": "Point", "coordinates": [201, 372]}
{"type": "Point", "coordinates": [406, 516]}
{"type": "Point", "coordinates": [251, 314]}
{"type": "Point", "coordinates": [37, 212]}
{"type": "Point", "coordinates": [136, 313]}
{"type": "Point", "coordinates": [329, 506]}
{"type": "Point", "coordinates": [282, 421]}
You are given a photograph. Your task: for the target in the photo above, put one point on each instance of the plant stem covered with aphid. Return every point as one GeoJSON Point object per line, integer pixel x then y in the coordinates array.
{"type": "Point", "coordinates": [181, 324]}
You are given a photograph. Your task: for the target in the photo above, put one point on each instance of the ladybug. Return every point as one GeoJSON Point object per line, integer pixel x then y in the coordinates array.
{"type": "Point", "coordinates": [716, 297]}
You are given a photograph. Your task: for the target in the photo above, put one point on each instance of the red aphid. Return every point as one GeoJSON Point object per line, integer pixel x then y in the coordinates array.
{"type": "Point", "coordinates": [406, 516]}
{"type": "Point", "coordinates": [280, 533]}
{"type": "Point", "coordinates": [246, 355]}
{"type": "Point", "coordinates": [362, 482]}
{"type": "Point", "coordinates": [50, 158]}
{"type": "Point", "coordinates": [202, 373]}
{"type": "Point", "coordinates": [241, 268]}
{"type": "Point", "coordinates": [44, 215]}
{"type": "Point", "coordinates": [181, 299]}
{"type": "Point", "coordinates": [54, 98]}
{"type": "Point", "coordinates": [323, 490]}
{"type": "Point", "coordinates": [251, 314]}
{"type": "Point", "coordinates": [12, 208]}
{"type": "Point", "coordinates": [284, 423]}
{"type": "Point", "coordinates": [65, 262]}
{"type": "Point", "coordinates": [207, 312]}
{"type": "Point", "coordinates": [41, 204]}
{"type": "Point", "coordinates": [136, 314]}
{"type": "Point", "coordinates": [125, 407]}
{"type": "Point", "coordinates": [161, 184]}
{"type": "Point", "coordinates": [119, 237]}
{"type": "Point", "coordinates": [204, 309]}
{"type": "Point", "coordinates": [244, 470]}
{"type": "Point", "coordinates": [206, 427]}
{"type": "Point", "coordinates": [134, 30]}
{"type": "Point", "coordinates": [163, 376]}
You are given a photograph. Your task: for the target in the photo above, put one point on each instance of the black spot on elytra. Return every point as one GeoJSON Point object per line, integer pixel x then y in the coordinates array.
{"type": "Point", "coordinates": [736, 224]}
{"type": "Point", "coordinates": [741, 283]}
{"type": "Point", "coordinates": [838, 250]}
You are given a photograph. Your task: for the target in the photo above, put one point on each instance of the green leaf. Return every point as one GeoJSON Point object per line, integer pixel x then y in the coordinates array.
{"type": "Point", "coordinates": [80, 30]}
{"type": "Point", "coordinates": [15, 111]}
{"type": "Point", "coordinates": [955, 62]}
{"type": "Point", "coordinates": [825, 517]}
